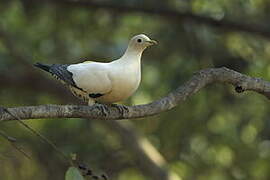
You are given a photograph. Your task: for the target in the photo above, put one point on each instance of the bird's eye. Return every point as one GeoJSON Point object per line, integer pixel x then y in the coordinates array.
{"type": "Point", "coordinates": [139, 40]}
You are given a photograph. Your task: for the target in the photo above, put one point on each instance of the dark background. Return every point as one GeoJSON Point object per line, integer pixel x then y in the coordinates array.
{"type": "Point", "coordinates": [216, 134]}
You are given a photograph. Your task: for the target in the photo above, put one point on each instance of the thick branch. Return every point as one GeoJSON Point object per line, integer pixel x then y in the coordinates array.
{"type": "Point", "coordinates": [197, 82]}
{"type": "Point", "coordinates": [170, 14]}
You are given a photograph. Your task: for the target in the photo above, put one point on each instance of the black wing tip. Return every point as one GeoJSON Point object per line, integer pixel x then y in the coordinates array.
{"type": "Point", "coordinates": [42, 66]}
{"type": "Point", "coordinates": [38, 64]}
{"type": "Point", "coordinates": [95, 95]}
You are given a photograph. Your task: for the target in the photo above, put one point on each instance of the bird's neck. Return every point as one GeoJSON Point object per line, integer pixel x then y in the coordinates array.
{"type": "Point", "coordinates": [132, 54]}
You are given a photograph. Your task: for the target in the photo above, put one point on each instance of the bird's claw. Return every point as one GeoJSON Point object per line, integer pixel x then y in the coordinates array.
{"type": "Point", "coordinates": [102, 108]}
{"type": "Point", "coordinates": [2, 109]}
{"type": "Point", "coordinates": [122, 109]}
{"type": "Point", "coordinates": [105, 177]}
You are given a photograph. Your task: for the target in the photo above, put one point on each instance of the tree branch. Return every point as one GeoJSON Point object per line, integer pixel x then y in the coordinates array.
{"type": "Point", "coordinates": [197, 82]}
{"type": "Point", "coordinates": [169, 14]}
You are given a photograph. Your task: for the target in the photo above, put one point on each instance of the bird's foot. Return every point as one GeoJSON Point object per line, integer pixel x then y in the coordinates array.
{"type": "Point", "coordinates": [2, 110]}
{"type": "Point", "coordinates": [102, 108]}
{"type": "Point", "coordinates": [122, 109]}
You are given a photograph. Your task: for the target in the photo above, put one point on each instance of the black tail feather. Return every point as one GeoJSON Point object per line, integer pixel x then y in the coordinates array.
{"type": "Point", "coordinates": [59, 71]}
{"type": "Point", "coordinates": [43, 66]}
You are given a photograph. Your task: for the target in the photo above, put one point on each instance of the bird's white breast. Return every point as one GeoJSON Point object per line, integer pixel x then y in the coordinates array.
{"type": "Point", "coordinates": [125, 80]}
{"type": "Point", "coordinates": [116, 80]}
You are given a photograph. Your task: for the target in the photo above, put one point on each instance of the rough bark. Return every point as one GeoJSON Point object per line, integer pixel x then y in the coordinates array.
{"type": "Point", "coordinates": [103, 112]}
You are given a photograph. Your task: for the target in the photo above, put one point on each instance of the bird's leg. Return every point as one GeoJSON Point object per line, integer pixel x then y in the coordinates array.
{"type": "Point", "coordinates": [104, 176]}
{"type": "Point", "coordinates": [103, 108]}
{"type": "Point", "coordinates": [3, 110]}
{"type": "Point", "coordinates": [91, 102]}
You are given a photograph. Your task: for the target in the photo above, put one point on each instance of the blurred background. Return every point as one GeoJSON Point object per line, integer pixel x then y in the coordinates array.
{"type": "Point", "coordinates": [216, 134]}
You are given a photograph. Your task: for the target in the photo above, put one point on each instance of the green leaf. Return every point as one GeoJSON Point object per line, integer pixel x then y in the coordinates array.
{"type": "Point", "coordinates": [73, 174]}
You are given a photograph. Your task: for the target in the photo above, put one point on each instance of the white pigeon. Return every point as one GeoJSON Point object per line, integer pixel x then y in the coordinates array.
{"type": "Point", "coordinates": [104, 82]}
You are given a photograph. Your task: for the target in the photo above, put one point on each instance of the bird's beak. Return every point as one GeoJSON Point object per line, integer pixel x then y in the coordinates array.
{"type": "Point", "coordinates": [152, 42]}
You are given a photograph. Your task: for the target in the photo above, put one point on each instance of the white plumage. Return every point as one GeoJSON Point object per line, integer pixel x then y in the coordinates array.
{"type": "Point", "coordinates": [106, 82]}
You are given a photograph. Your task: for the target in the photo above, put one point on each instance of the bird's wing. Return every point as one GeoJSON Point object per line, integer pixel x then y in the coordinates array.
{"type": "Point", "coordinates": [60, 72]}
{"type": "Point", "coordinates": [92, 78]}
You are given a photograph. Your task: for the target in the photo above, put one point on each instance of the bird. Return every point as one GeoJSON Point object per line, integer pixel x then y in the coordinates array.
{"type": "Point", "coordinates": [100, 82]}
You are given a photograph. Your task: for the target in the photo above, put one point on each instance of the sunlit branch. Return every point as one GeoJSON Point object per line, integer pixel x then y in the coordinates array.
{"type": "Point", "coordinates": [178, 96]}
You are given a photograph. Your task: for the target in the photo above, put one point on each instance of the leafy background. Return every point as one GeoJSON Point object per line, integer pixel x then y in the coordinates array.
{"type": "Point", "coordinates": [216, 134]}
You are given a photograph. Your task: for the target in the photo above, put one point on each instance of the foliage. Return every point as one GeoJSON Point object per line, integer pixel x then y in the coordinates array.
{"type": "Point", "coordinates": [73, 174]}
{"type": "Point", "coordinates": [216, 134]}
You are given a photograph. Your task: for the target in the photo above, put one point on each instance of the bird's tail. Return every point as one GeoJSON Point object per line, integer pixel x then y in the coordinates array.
{"type": "Point", "coordinates": [43, 66]}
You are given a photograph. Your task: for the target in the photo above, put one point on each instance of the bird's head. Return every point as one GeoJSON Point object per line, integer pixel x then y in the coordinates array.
{"type": "Point", "coordinates": [140, 42]}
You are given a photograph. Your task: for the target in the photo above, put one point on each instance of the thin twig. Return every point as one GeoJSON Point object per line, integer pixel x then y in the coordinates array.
{"type": "Point", "coordinates": [46, 140]}
{"type": "Point", "coordinates": [9, 138]}
{"type": "Point", "coordinates": [12, 141]}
